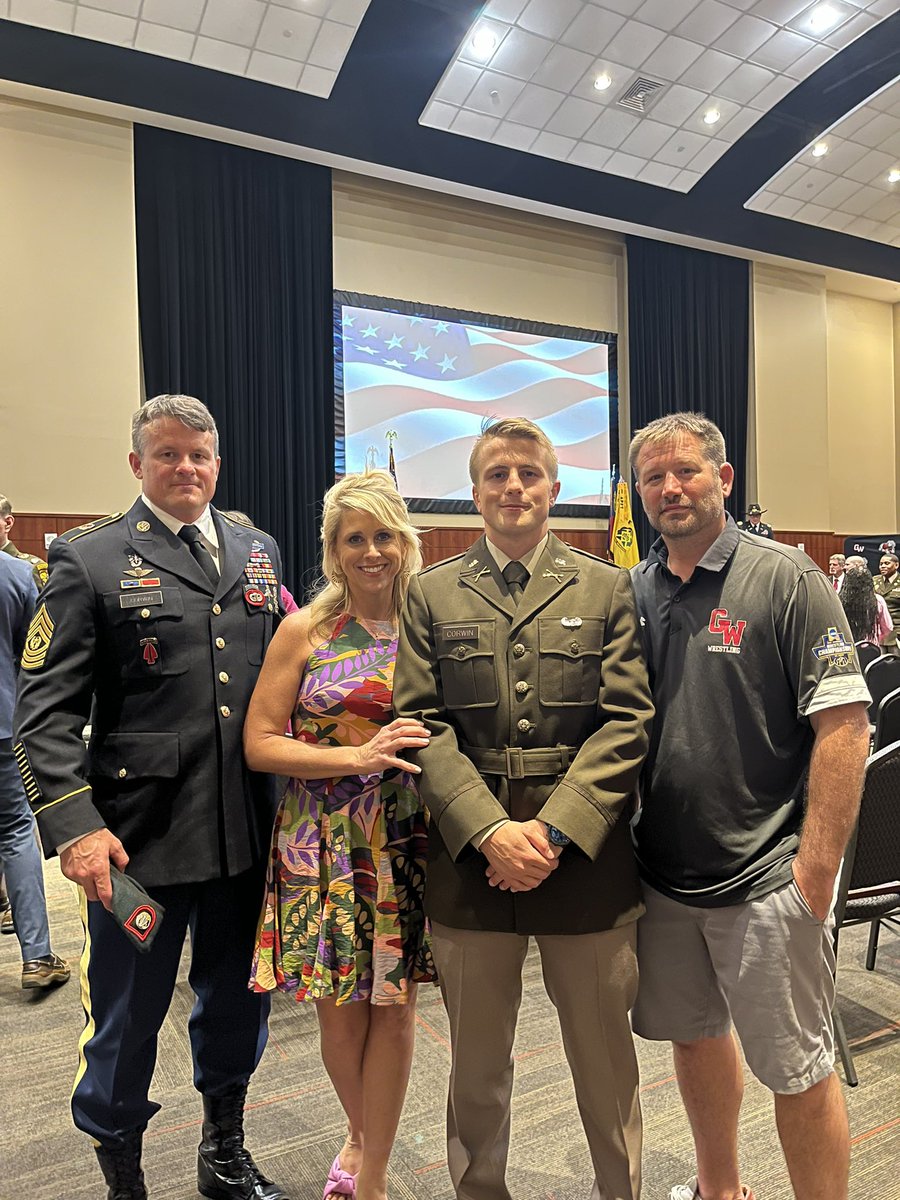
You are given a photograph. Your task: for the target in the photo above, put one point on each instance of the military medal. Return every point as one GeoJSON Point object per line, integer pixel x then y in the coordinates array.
{"type": "Point", "coordinates": [151, 653]}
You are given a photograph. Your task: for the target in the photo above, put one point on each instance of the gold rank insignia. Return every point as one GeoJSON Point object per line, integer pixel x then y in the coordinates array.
{"type": "Point", "coordinates": [142, 526]}
{"type": "Point", "coordinates": [37, 640]}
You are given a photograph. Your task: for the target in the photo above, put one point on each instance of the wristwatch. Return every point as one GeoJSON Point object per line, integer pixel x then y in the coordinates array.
{"type": "Point", "coordinates": [557, 837]}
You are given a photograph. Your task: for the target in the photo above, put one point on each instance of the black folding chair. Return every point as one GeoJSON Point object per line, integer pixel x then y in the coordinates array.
{"type": "Point", "coordinates": [867, 652]}
{"type": "Point", "coordinates": [869, 888]}
{"type": "Point", "coordinates": [887, 722]}
{"type": "Point", "coordinates": [882, 676]}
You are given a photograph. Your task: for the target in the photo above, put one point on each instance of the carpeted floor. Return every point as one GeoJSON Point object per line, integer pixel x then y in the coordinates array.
{"type": "Point", "coordinates": [295, 1124]}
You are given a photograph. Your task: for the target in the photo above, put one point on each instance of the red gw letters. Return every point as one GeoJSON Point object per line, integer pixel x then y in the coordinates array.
{"type": "Point", "coordinates": [731, 631]}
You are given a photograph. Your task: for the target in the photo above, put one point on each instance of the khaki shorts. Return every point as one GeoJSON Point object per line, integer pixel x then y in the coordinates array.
{"type": "Point", "coordinates": [766, 966]}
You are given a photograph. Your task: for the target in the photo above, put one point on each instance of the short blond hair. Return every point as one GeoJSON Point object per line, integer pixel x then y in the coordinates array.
{"type": "Point", "coordinates": [665, 429]}
{"type": "Point", "coordinates": [511, 427]}
{"type": "Point", "coordinates": [375, 493]}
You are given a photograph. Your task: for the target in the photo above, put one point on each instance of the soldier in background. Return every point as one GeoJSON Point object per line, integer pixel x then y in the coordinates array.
{"type": "Point", "coordinates": [7, 520]}
{"type": "Point", "coordinates": [753, 524]}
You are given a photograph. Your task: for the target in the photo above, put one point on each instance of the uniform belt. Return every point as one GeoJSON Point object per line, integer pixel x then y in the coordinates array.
{"type": "Point", "coordinates": [517, 763]}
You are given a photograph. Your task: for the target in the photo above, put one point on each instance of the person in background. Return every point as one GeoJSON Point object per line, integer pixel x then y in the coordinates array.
{"type": "Point", "coordinates": [887, 585]}
{"type": "Point", "coordinates": [288, 603]}
{"type": "Point", "coordinates": [867, 613]}
{"type": "Point", "coordinates": [754, 522]}
{"type": "Point", "coordinates": [836, 569]}
{"type": "Point", "coordinates": [20, 858]}
{"type": "Point", "coordinates": [748, 797]}
{"type": "Point", "coordinates": [343, 923]}
{"type": "Point", "coordinates": [7, 520]}
{"type": "Point", "coordinates": [162, 615]}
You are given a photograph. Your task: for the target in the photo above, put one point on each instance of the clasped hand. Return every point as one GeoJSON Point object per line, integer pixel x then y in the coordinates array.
{"type": "Point", "coordinates": [86, 862]}
{"type": "Point", "coordinates": [519, 856]}
{"type": "Point", "coordinates": [382, 752]}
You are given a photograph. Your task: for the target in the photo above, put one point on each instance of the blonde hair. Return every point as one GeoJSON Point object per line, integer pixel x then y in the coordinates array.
{"type": "Point", "coordinates": [511, 427]}
{"type": "Point", "coordinates": [666, 429]}
{"type": "Point", "coordinates": [375, 493]}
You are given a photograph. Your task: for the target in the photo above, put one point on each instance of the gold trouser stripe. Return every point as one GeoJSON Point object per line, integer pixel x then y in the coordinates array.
{"type": "Point", "coordinates": [88, 1031]}
{"type": "Point", "coordinates": [67, 796]}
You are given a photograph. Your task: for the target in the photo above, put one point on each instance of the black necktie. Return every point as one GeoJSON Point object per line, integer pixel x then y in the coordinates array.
{"type": "Point", "coordinates": [191, 535]}
{"type": "Point", "coordinates": [516, 577]}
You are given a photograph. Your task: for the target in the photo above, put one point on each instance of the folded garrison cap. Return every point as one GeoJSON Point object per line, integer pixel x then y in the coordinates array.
{"type": "Point", "coordinates": [137, 914]}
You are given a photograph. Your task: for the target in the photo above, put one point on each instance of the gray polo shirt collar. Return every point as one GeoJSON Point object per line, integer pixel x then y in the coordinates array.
{"type": "Point", "coordinates": [716, 557]}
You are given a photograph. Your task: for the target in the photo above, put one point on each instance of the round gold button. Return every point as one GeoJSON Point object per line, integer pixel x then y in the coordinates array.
{"type": "Point", "coordinates": [223, 677]}
{"type": "Point", "coordinates": [217, 608]}
{"type": "Point", "coordinates": [518, 649]}
{"type": "Point", "coordinates": [122, 772]}
{"type": "Point", "coordinates": [225, 710]}
{"type": "Point", "coordinates": [145, 613]}
{"type": "Point", "coordinates": [220, 643]}
{"type": "Point", "coordinates": [521, 687]}
{"type": "Point", "coordinates": [523, 726]}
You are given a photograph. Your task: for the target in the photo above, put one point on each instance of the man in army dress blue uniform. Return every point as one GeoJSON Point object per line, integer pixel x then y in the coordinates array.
{"type": "Point", "coordinates": [161, 615]}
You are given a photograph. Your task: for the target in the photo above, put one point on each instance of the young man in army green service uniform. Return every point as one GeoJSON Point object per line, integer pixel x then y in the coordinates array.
{"type": "Point", "coordinates": [523, 658]}
{"type": "Point", "coordinates": [7, 520]}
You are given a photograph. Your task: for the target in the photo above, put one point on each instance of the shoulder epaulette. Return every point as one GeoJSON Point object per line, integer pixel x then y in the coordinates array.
{"type": "Point", "coordinates": [72, 535]}
{"type": "Point", "coordinates": [595, 557]}
{"type": "Point", "coordinates": [243, 524]}
{"type": "Point", "coordinates": [444, 562]}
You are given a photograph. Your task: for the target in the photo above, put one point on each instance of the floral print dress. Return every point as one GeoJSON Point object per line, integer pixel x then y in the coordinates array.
{"type": "Point", "coordinates": [343, 913]}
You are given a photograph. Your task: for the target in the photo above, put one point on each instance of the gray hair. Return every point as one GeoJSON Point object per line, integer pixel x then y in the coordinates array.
{"type": "Point", "coordinates": [186, 409]}
{"type": "Point", "coordinates": [665, 429]}
{"type": "Point", "coordinates": [5, 507]}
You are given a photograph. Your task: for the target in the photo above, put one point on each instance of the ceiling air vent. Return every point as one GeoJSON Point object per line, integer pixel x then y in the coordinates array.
{"type": "Point", "coordinates": [639, 96]}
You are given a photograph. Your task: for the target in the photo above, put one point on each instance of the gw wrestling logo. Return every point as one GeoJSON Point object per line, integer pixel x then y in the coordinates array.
{"type": "Point", "coordinates": [731, 631]}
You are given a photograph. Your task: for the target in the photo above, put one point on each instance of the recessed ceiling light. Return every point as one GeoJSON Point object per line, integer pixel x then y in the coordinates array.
{"type": "Point", "coordinates": [820, 149]}
{"type": "Point", "coordinates": [894, 175]}
{"type": "Point", "coordinates": [484, 42]}
{"type": "Point", "coordinates": [711, 116]}
{"type": "Point", "coordinates": [823, 17]}
{"type": "Point", "coordinates": [602, 82]}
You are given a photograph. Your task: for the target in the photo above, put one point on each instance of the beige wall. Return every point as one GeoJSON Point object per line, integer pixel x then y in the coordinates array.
{"type": "Point", "coordinates": [825, 405]}
{"type": "Point", "coordinates": [68, 310]}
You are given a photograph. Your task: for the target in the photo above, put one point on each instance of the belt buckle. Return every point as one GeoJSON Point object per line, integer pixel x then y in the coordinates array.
{"type": "Point", "coordinates": [515, 762]}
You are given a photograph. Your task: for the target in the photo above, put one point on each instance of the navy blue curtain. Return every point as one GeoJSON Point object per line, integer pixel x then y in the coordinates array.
{"type": "Point", "coordinates": [234, 253]}
{"type": "Point", "coordinates": [688, 347]}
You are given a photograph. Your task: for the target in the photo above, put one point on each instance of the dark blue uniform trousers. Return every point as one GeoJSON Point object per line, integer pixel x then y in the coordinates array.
{"type": "Point", "coordinates": [126, 995]}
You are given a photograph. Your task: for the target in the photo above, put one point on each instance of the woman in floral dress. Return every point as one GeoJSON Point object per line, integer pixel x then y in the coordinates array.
{"type": "Point", "coordinates": [343, 923]}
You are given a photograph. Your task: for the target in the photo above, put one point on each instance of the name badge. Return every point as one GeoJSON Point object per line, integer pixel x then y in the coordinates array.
{"type": "Point", "coordinates": [140, 599]}
{"type": "Point", "coordinates": [461, 633]}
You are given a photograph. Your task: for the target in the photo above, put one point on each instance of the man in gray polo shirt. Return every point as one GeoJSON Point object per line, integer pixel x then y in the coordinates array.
{"type": "Point", "coordinates": [749, 795]}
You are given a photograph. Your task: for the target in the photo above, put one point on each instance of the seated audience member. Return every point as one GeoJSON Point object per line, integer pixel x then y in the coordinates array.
{"type": "Point", "coordinates": [343, 922]}
{"type": "Point", "coordinates": [836, 568]}
{"type": "Point", "coordinates": [887, 585]}
{"type": "Point", "coordinates": [749, 795]}
{"type": "Point", "coordinates": [867, 613]}
{"type": "Point", "coordinates": [38, 567]}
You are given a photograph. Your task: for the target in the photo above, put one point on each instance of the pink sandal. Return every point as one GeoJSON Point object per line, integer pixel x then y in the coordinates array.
{"type": "Point", "coordinates": [340, 1182]}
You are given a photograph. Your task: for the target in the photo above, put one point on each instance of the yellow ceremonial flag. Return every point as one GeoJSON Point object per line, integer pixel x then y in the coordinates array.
{"type": "Point", "coordinates": [623, 538]}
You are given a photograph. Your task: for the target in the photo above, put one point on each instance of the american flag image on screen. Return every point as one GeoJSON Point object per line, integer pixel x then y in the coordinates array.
{"type": "Point", "coordinates": [432, 382]}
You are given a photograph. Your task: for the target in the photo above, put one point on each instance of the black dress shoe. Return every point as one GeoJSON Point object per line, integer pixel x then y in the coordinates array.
{"type": "Point", "coordinates": [225, 1170]}
{"type": "Point", "coordinates": [121, 1167]}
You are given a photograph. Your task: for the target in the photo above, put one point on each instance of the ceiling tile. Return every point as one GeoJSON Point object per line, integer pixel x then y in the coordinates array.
{"type": "Point", "coordinates": [773, 92]}
{"type": "Point", "coordinates": [348, 12]}
{"type": "Point", "coordinates": [626, 7]}
{"type": "Point", "coordinates": [659, 174]}
{"type": "Point", "coordinates": [4, 8]}
{"type": "Point", "coordinates": [710, 69]}
{"type": "Point", "coordinates": [180, 14]}
{"type": "Point", "coordinates": [104, 26]}
{"type": "Point", "coordinates": [665, 14]}
{"type": "Point", "coordinates": [784, 206]}
{"type": "Point", "coordinates": [762, 201]}
{"type": "Point", "coordinates": [785, 178]}
{"type": "Point", "coordinates": [220, 56]}
{"type": "Point", "coordinates": [611, 128]}
{"type": "Point", "coordinates": [672, 58]}
{"type": "Point", "coordinates": [125, 8]}
{"type": "Point", "coordinates": [232, 21]}
{"type": "Point", "coordinates": [782, 50]}
{"type": "Point", "coordinates": [737, 126]}
{"type": "Point", "coordinates": [592, 29]}
{"type": "Point", "coordinates": [494, 94]}
{"type": "Point", "coordinates": [745, 35]}
{"type": "Point", "coordinates": [745, 83]}
{"type": "Point", "coordinates": [161, 39]}
{"type": "Point", "coordinates": [549, 18]}
{"type": "Point", "coordinates": [778, 11]}
{"type": "Point", "coordinates": [872, 167]}
{"type": "Point", "coordinates": [458, 82]}
{"type": "Point", "coordinates": [520, 54]}
{"type": "Point", "coordinates": [677, 104]}
{"type": "Point", "coordinates": [680, 149]}
{"type": "Point", "coordinates": [886, 209]}
{"type": "Point", "coordinates": [709, 155]}
{"type": "Point", "coordinates": [516, 137]}
{"type": "Point", "coordinates": [877, 128]}
{"type": "Point", "coordinates": [473, 124]}
{"type": "Point", "coordinates": [505, 10]}
{"type": "Point", "coordinates": [813, 214]}
{"type": "Point", "coordinates": [47, 14]}
{"type": "Point", "coordinates": [685, 180]}
{"type": "Point", "coordinates": [573, 117]}
{"type": "Point", "coordinates": [841, 155]}
{"type": "Point", "coordinates": [438, 115]}
{"type": "Point", "coordinates": [633, 44]}
{"type": "Point", "coordinates": [586, 155]}
{"type": "Point", "coordinates": [317, 81]}
{"type": "Point", "coordinates": [647, 138]}
{"type": "Point", "coordinates": [331, 45]}
{"type": "Point", "coordinates": [624, 164]}
{"type": "Point", "coordinates": [727, 110]}
{"type": "Point", "coordinates": [467, 50]}
{"type": "Point", "coordinates": [272, 68]}
{"type": "Point", "coordinates": [862, 227]}
{"type": "Point", "coordinates": [708, 21]}
{"type": "Point", "coordinates": [853, 29]}
{"type": "Point", "coordinates": [804, 22]}
{"type": "Point", "coordinates": [562, 66]}
{"type": "Point", "coordinates": [621, 78]}
{"type": "Point", "coordinates": [552, 145]}
{"type": "Point", "coordinates": [808, 186]}
{"type": "Point", "coordinates": [535, 105]}
{"type": "Point", "coordinates": [837, 191]}
{"type": "Point", "coordinates": [883, 8]}
{"type": "Point", "coordinates": [817, 57]}
{"type": "Point", "coordinates": [861, 201]}
{"type": "Point", "coordinates": [291, 34]}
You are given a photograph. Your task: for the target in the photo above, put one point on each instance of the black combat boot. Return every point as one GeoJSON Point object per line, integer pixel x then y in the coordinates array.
{"type": "Point", "coordinates": [121, 1167]}
{"type": "Point", "coordinates": [225, 1170]}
